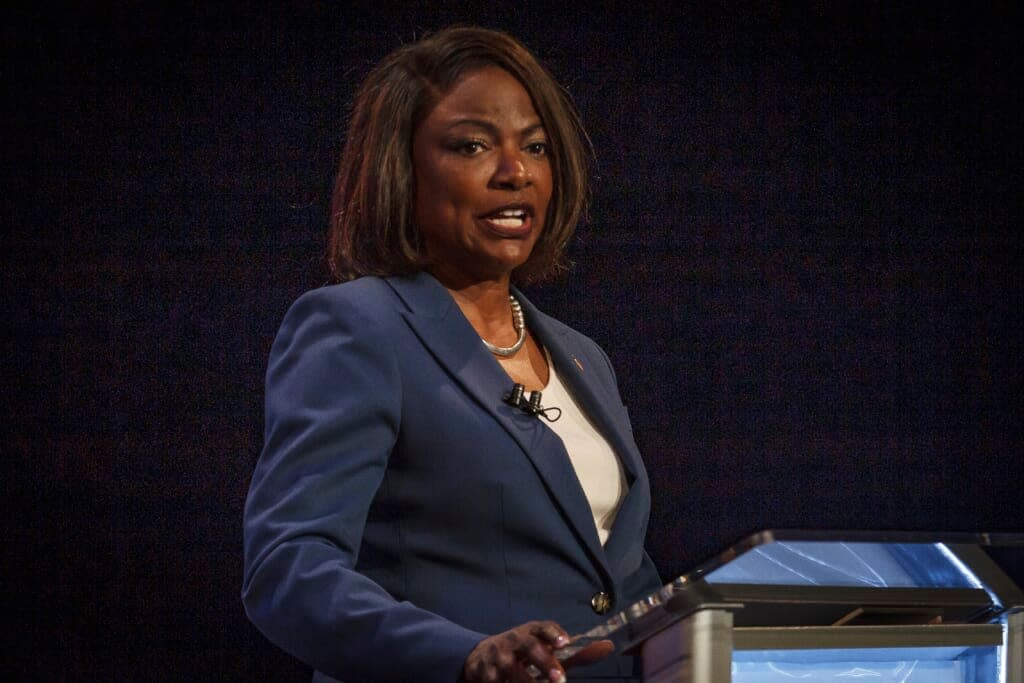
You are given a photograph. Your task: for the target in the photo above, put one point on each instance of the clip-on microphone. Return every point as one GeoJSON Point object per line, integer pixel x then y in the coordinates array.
{"type": "Point", "coordinates": [531, 406]}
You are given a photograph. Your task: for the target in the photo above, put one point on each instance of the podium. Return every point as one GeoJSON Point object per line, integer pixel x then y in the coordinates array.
{"type": "Point", "coordinates": [841, 607]}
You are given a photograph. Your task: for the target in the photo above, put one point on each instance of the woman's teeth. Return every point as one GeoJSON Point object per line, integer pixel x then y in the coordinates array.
{"type": "Point", "coordinates": [509, 219]}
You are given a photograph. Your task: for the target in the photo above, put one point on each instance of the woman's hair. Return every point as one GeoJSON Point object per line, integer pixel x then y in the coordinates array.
{"type": "Point", "coordinates": [373, 230]}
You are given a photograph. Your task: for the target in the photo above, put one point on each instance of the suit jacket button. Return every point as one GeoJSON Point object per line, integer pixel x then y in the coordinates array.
{"type": "Point", "coordinates": [601, 602]}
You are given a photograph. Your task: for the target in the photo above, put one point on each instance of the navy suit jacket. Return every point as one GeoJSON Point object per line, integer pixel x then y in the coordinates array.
{"type": "Point", "coordinates": [400, 511]}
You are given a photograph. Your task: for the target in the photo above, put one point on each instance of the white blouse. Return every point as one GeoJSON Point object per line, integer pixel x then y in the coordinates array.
{"type": "Point", "coordinates": [597, 467]}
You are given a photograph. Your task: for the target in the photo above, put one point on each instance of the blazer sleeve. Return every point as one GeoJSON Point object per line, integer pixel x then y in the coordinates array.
{"type": "Point", "coordinates": [333, 404]}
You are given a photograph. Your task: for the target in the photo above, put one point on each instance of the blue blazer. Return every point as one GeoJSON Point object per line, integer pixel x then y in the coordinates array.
{"type": "Point", "coordinates": [400, 511]}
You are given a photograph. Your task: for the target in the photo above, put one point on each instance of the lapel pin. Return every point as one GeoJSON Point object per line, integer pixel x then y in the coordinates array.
{"type": "Point", "coordinates": [578, 363]}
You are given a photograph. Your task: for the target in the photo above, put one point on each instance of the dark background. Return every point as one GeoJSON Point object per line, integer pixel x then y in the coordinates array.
{"type": "Point", "coordinates": [804, 260]}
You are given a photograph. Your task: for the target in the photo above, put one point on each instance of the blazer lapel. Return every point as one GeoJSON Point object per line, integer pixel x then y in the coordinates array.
{"type": "Point", "coordinates": [599, 405]}
{"type": "Point", "coordinates": [445, 332]}
{"type": "Point", "coordinates": [610, 419]}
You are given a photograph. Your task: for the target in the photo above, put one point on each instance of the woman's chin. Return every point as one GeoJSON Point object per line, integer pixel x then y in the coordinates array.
{"type": "Point", "coordinates": [490, 267]}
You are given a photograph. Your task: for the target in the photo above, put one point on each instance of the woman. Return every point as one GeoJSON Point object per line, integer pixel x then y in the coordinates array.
{"type": "Point", "coordinates": [406, 521]}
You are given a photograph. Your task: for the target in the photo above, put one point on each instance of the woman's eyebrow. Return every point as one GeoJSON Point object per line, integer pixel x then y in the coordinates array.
{"type": "Point", "coordinates": [491, 128]}
{"type": "Point", "coordinates": [529, 130]}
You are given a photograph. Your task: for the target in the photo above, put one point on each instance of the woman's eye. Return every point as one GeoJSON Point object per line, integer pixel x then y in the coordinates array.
{"type": "Point", "coordinates": [537, 148]}
{"type": "Point", "coordinates": [471, 147]}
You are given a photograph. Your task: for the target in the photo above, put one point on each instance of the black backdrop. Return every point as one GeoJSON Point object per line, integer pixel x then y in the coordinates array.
{"type": "Point", "coordinates": [803, 258]}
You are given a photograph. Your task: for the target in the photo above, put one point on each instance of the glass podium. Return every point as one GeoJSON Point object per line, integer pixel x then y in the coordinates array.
{"type": "Point", "coordinates": [833, 607]}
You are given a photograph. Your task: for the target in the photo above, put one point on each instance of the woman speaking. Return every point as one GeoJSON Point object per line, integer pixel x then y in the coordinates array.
{"type": "Point", "coordinates": [414, 516]}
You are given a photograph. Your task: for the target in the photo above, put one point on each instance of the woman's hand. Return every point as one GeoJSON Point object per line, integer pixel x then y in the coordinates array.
{"type": "Point", "coordinates": [505, 657]}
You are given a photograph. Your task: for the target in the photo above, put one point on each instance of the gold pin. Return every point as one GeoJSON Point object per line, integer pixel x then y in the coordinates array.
{"type": "Point", "coordinates": [578, 363]}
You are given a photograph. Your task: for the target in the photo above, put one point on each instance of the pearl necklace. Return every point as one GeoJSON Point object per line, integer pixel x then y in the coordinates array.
{"type": "Point", "coordinates": [519, 323]}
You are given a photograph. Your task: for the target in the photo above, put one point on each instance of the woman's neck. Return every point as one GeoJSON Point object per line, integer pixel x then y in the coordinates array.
{"type": "Point", "coordinates": [488, 310]}
{"type": "Point", "coordinates": [486, 306]}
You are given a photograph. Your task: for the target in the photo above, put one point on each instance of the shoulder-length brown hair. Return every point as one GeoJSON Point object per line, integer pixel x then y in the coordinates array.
{"type": "Point", "coordinates": [373, 230]}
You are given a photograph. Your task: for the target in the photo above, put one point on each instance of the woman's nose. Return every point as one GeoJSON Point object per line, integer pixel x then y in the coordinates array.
{"type": "Point", "coordinates": [511, 172]}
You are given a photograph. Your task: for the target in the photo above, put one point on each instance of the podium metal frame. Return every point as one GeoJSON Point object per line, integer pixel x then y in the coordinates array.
{"type": "Point", "coordinates": [696, 628]}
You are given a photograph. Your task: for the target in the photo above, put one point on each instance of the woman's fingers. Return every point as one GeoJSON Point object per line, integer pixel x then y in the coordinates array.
{"type": "Point", "coordinates": [552, 633]}
{"type": "Point", "coordinates": [506, 656]}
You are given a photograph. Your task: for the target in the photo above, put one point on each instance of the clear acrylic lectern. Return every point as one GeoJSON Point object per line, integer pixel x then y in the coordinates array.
{"type": "Point", "coordinates": [833, 606]}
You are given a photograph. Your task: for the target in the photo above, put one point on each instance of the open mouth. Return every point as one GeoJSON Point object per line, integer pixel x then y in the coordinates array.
{"type": "Point", "coordinates": [509, 218]}
{"type": "Point", "coordinates": [513, 220]}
